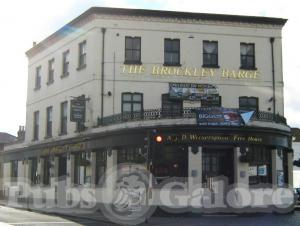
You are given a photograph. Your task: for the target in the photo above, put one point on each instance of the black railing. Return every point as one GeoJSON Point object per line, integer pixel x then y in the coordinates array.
{"type": "Point", "coordinates": [156, 114]}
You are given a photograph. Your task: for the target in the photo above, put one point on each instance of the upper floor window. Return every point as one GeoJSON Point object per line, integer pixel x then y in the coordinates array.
{"type": "Point", "coordinates": [247, 56]}
{"type": "Point", "coordinates": [132, 103]}
{"type": "Point", "coordinates": [36, 118]}
{"type": "Point", "coordinates": [50, 71]}
{"type": "Point", "coordinates": [132, 50]}
{"type": "Point", "coordinates": [172, 52]}
{"type": "Point", "coordinates": [171, 107]}
{"type": "Point", "coordinates": [248, 103]}
{"type": "Point", "coordinates": [65, 63]}
{"type": "Point", "coordinates": [63, 117]}
{"type": "Point", "coordinates": [38, 77]}
{"type": "Point", "coordinates": [82, 55]}
{"type": "Point", "coordinates": [212, 101]}
{"type": "Point", "coordinates": [49, 122]}
{"type": "Point", "coordinates": [210, 54]}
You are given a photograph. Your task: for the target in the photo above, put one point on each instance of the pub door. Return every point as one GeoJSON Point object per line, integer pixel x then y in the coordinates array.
{"type": "Point", "coordinates": [216, 162]}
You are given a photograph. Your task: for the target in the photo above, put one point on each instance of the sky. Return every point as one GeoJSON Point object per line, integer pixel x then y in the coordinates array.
{"type": "Point", "coordinates": [23, 22]}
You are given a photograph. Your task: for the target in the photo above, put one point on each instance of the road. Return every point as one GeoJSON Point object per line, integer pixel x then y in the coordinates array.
{"type": "Point", "coordinates": [12, 216]}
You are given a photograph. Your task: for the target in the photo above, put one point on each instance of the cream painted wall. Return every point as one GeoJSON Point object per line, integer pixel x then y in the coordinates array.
{"type": "Point", "coordinates": [152, 32]}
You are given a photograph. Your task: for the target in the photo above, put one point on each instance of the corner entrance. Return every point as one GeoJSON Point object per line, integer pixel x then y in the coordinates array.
{"type": "Point", "coordinates": [216, 161]}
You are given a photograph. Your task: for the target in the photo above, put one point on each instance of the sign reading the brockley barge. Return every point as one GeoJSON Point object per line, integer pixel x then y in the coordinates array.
{"type": "Point", "coordinates": [158, 70]}
{"type": "Point", "coordinates": [218, 117]}
{"type": "Point", "coordinates": [190, 91]}
{"type": "Point", "coordinates": [78, 109]}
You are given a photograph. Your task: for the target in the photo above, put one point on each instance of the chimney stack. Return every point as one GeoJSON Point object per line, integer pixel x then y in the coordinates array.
{"type": "Point", "coordinates": [21, 133]}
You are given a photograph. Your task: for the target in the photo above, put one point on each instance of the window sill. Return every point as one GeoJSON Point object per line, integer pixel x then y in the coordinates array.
{"type": "Point", "coordinates": [172, 65]}
{"type": "Point", "coordinates": [133, 62]}
{"type": "Point", "coordinates": [64, 75]}
{"type": "Point", "coordinates": [80, 67]}
{"type": "Point", "coordinates": [48, 137]}
{"type": "Point", "coordinates": [210, 66]}
{"type": "Point", "coordinates": [248, 68]}
{"type": "Point", "coordinates": [62, 134]}
{"type": "Point", "coordinates": [50, 82]}
{"type": "Point", "coordinates": [35, 139]}
{"type": "Point", "coordinates": [37, 88]}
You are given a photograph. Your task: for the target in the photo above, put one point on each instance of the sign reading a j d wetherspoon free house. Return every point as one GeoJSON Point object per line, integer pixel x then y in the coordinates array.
{"type": "Point", "coordinates": [157, 70]}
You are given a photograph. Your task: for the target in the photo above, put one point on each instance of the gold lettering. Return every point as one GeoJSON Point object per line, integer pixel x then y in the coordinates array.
{"type": "Point", "coordinates": [255, 75]}
{"type": "Point", "coordinates": [155, 70]}
{"type": "Point", "coordinates": [242, 74]}
{"type": "Point", "coordinates": [141, 69]}
{"type": "Point", "coordinates": [164, 71]}
{"type": "Point", "coordinates": [212, 72]}
{"type": "Point", "coordinates": [225, 73]}
{"type": "Point", "coordinates": [187, 72]}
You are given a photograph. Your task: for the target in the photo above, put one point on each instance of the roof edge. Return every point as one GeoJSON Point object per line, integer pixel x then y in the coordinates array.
{"type": "Point", "coordinates": [158, 13]}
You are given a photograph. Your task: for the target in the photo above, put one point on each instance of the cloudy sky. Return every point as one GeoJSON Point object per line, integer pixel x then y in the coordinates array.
{"type": "Point", "coordinates": [23, 22]}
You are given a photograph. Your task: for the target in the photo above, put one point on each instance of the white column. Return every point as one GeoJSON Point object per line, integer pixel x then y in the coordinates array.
{"type": "Point", "coordinates": [277, 165]}
{"type": "Point", "coordinates": [241, 175]}
{"type": "Point", "coordinates": [111, 174]}
{"type": "Point", "coordinates": [194, 167]}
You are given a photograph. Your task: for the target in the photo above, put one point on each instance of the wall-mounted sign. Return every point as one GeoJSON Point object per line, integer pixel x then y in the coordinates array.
{"type": "Point", "coordinates": [252, 171]}
{"type": "Point", "coordinates": [218, 117]}
{"type": "Point", "coordinates": [77, 112]}
{"type": "Point", "coordinates": [158, 70]}
{"type": "Point", "coordinates": [59, 149]}
{"type": "Point", "coordinates": [190, 91]}
{"type": "Point", "coordinates": [280, 178]}
{"type": "Point", "coordinates": [262, 170]}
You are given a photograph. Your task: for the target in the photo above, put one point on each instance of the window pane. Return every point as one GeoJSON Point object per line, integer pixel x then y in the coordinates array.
{"type": "Point", "coordinates": [210, 47]}
{"type": "Point", "coordinates": [135, 55]}
{"type": "Point", "coordinates": [168, 45]}
{"type": "Point", "coordinates": [127, 97]}
{"type": "Point", "coordinates": [128, 43]}
{"type": "Point", "coordinates": [137, 107]}
{"type": "Point", "coordinates": [137, 43]}
{"type": "Point", "coordinates": [176, 45]}
{"type": "Point", "coordinates": [137, 97]}
{"type": "Point", "coordinates": [126, 107]}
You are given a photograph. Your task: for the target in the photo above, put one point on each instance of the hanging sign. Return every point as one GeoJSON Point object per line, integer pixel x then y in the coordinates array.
{"type": "Point", "coordinates": [78, 109]}
{"type": "Point", "coordinates": [262, 170]}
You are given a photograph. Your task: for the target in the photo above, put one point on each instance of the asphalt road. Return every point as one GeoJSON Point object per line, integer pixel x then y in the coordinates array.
{"type": "Point", "coordinates": [11, 216]}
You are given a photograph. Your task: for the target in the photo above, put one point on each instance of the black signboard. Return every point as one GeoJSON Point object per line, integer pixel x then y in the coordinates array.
{"type": "Point", "coordinates": [215, 116]}
{"type": "Point", "coordinates": [190, 91]}
{"type": "Point", "coordinates": [78, 109]}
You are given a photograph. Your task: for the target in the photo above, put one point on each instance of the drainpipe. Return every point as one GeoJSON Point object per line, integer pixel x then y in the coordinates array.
{"type": "Point", "coordinates": [103, 30]}
{"type": "Point", "coordinates": [273, 76]}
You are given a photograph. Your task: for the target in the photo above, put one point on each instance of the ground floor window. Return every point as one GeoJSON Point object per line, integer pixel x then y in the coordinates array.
{"type": "Point", "coordinates": [34, 173]}
{"type": "Point", "coordinates": [131, 155]}
{"type": "Point", "coordinates": [169, 161]}
{"type": "Point", "coordinates": [46, 170]}
{"type": "Point", "coordinates": [101, 158]}
{"type": "Point", "coordinates": [260, 161]}
{"type": "Point", "coordinates": [14, 170]}
{"type": "Point", "coordinates": [82, 169]}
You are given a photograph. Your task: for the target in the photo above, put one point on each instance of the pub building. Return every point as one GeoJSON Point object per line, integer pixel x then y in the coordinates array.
{"type": "Point", "coordinates": [188, 95]}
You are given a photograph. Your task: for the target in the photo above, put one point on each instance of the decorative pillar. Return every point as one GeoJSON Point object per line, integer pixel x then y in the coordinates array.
{"type": "Point", "coordinates": [111, 174]}
{"type": "Point", "coordinates": [241, 174]}
{"type": "Point", "coordinates": [194, 166]}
